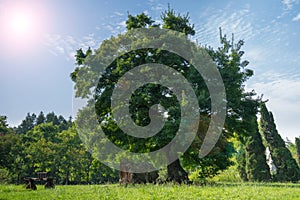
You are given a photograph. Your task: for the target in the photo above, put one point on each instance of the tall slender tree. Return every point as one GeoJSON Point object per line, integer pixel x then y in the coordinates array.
{"type": "Point", "coordinates": [297, 142]}
{"type": "Point", "coordinates": [256, 165]}
{"type": "Point", "coordinates": [287, 168]}
{"type": "Point", "coordinates": [241, 162]}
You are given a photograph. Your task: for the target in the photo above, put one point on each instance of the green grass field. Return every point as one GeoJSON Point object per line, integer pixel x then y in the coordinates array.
{"type": "Point", "coordinates": [215, 191]}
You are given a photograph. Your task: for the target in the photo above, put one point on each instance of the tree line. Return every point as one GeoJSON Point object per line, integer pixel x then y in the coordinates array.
{"type": "Point", "coordinates": [48, 144]}
{"type": "Point", "coordinates": [54, 146]}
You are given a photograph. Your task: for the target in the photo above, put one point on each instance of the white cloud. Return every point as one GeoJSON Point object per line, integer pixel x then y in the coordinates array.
{"type": "Point", "coordinates": [288, 7]}
{"type": "Point", "coordinates": [289, 4]}
{"type": "Point", "coordinates": [154, 5]}
{"type": "Point", "coordinates": [119, 13]}
{"type": "Point", "coordinates": [238, 22]}
{"type": "Point", "coordinates": [257, 56]}
{"type": "Point", "coordinates": [264, 49]}
{"type": "Point", "coordinates": [297, 18]}
{"type": "Point", "coordinates": [112, 24]}
{"type": "Point", "coordinates": [158, 7]}
{"type": "Point", "coordinates": [122, 24]}
{"type": "Point", "coordinates": [283, 93]}
{"type": "Point", "coordinates": [114, 29]}
{"type": "Point", "coordinates": [67, 45]}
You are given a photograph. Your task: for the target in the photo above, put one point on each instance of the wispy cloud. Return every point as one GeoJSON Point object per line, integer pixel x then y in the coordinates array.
{"type": "Point", "coordinates": [283, 93]}
{"type": "Point", "coordinates": [158, 7]}
{"type": "Point", "coordinates": [277, 77]}
{"type": "Point", "coordinates": [113, 28]}
{"type": "Point", "coordinates": [237, 22]}
{"type": "Point", "coordinates": [113, 24]}
{"type": "Point", "coordinates": [119, 13]}
{"type": "Point", "coordinates": [277, 69]}
{"type": "Point", "coordinates": [154, 5]}
{"type": "Point", "coordinates": [67, 44]}
{"type": "Point", "coordinates": [297, 18]}
{"type": "Point", "coordinates": [289, 4]}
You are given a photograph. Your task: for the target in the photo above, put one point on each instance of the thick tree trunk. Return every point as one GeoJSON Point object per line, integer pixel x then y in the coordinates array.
{"type": "Point", "coordinates": [176, 173]}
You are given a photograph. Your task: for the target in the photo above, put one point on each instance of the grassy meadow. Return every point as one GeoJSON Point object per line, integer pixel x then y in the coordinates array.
{"type": "Point", "coordinates": [113, 191]}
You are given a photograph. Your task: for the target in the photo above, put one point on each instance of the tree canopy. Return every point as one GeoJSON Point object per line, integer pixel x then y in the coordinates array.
{"type": "Point", "coordinates": [47, 147]}
{"type": "Point", "coordinates": [227, 58]}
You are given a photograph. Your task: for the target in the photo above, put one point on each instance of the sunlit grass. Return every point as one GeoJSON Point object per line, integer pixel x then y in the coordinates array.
{"type": "Point", "coordinates": [213, 191]}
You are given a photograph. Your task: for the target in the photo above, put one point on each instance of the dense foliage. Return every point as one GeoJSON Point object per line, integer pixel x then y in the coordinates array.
{"type": "Point", "coordinates": [287, 168]}
{"type": "Point", "coordinates": [242, 107]}
{"type": "Point", "coordinates": [228, 59]}
{"type": "Point", "coordinates": [49, 145]}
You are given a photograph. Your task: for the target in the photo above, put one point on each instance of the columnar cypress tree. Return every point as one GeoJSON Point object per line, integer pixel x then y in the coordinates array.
{"type": "Point", "coordinates": [252, 162]}
{"type": "Point", "coordinates": [297, 141]}
{"type": "Point", "coordinates": [287, 168]}
{"type": "Point", "coordinates": [256, 163]}
{"type": "Point", "coordinates": [241, 162]}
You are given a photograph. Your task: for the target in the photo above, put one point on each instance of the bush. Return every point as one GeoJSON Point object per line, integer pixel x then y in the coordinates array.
{"type": "Point", "coordinates": [4, 176]}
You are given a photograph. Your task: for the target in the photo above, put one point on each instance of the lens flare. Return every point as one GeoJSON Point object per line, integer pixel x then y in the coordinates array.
{"type": "Point", "coordinates": [22, 27]}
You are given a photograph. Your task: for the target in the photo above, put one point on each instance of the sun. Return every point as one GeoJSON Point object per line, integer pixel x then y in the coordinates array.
{"type": "Point", "coordinates": [21, 24]}
{"type": "Point", "coordinates": [22, 27]}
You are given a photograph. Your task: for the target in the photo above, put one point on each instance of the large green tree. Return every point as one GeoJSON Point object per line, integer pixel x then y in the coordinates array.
{"type": "Point", "coordinates": [287, 168]}
{"type": "Point", "coordinates": [228, 58]}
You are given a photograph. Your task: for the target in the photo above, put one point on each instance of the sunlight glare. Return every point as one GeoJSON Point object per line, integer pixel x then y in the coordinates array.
{"type": "Point", "coordinates": [21, 25]}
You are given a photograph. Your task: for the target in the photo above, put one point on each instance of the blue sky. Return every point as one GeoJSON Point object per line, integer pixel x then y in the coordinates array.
{"type": "Point", "coordinates": [36, 55]}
